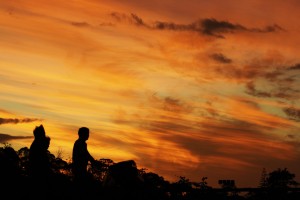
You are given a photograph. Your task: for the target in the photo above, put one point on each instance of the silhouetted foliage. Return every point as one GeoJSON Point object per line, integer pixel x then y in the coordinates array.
{"type": "Point", "coordinates": [99, 168]}
{"type": "Point", "coordinates": [276, 185]}
{"type": "Point", "coordinates": [123, 180]}
{"type": "Point", "coordinates": [281, 179]}
{"type": "Point", "coordinates": [263, 179]}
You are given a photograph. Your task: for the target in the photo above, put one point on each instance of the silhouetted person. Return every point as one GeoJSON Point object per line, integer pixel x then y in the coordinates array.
{"type": "Point", "coordinates": [81, 157]}
{"type": "Point", "coordinates": [38, 154]}
{"type": "Point", "coordinates": [40, 169]}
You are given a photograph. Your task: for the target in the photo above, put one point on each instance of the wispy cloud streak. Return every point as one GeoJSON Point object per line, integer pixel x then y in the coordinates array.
{"type": "Point", "coordinates": [5, 137]}
{"type": "Point", "coordinates": [17, 121]}
{"type": "Point", "coordinates": [292, 113]}
{"type": "Point", "coordinates": [212, 27]}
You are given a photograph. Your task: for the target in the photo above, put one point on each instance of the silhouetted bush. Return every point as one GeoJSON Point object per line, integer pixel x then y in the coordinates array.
{"type": "Point", "coordinates": [123, 180]}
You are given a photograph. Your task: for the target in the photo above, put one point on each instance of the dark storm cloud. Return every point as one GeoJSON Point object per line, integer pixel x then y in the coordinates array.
{"type": "Point", "coordinates": [219, 57]}
{"type": "Point", "coordinates": [211, 26]}
{"type": "Point", "coordinates": [5, 137]}
{"type": "Point", "coordinates": [16, 121]}
{"type": "Point", "coordinates": [292, 113]}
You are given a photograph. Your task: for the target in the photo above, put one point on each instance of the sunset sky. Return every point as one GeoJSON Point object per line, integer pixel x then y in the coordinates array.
{"type": "Point", "coordinates": [185, 88]}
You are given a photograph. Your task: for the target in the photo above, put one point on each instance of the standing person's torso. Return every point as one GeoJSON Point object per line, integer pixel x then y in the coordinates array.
{"type": "Point", "coordinates": [80, 154]}
{"type": "Point", "coordinates": [38, 158]}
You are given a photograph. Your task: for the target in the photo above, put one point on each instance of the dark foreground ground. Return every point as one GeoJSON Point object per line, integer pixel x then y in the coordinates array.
{"type": "Point", "coordinates": [123, 180]}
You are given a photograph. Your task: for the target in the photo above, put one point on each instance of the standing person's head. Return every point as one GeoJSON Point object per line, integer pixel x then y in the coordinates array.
{"type": "Point", "coordinates": [83, 133]}
{"type": "Point", "coordinates": [39, 132]}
